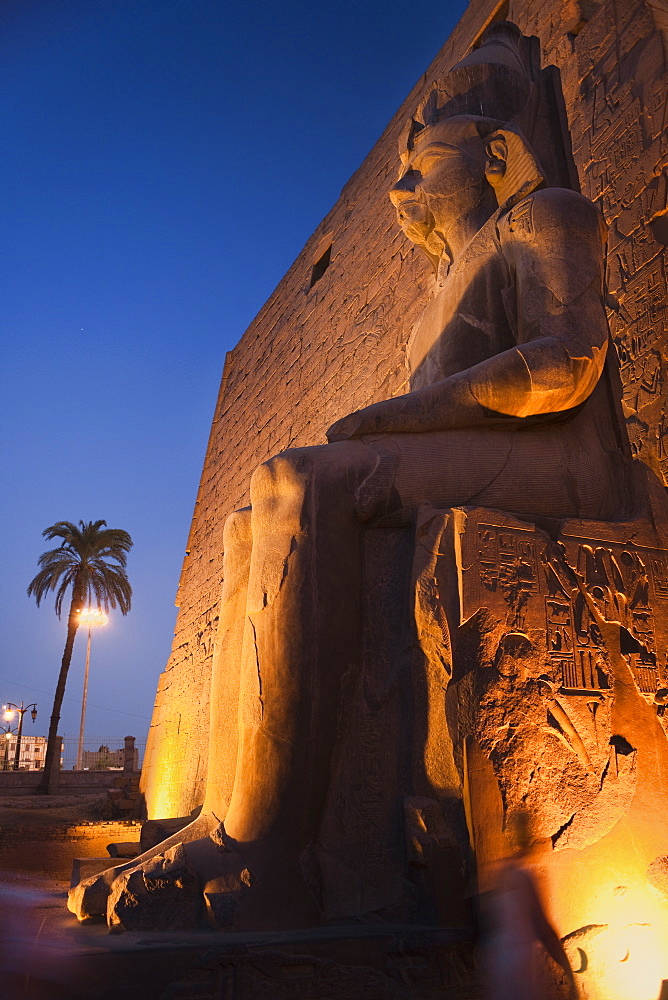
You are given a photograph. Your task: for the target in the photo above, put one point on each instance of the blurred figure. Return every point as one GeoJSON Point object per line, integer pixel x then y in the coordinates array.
{"type": "Point", "coordinates": [514, 925]}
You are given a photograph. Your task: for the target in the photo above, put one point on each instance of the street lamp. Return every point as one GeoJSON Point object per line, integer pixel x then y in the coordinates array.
{"type": "Point", "coordinates": [8, 733]}
{"type": "Point", "coordinates": [10, 708]}
{"type": "Point", "coordinates": [90, 618]}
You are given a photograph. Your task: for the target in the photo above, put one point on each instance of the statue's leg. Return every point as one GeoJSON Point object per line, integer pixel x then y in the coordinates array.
{"type": "Point", "coordinates": [303, 633]}
{"type": "Point", "coordinates": [304, 609]}
{"type": "Point", "coordinates": [88, 900]}
{"type": "Point", "coordinates": [301, 636]}
{"type": "Point", "coordinates": [226, 667]}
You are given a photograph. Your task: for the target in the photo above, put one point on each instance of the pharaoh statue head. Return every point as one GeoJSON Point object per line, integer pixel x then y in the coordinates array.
{"type": "Point", "coordinates": [471, 146]}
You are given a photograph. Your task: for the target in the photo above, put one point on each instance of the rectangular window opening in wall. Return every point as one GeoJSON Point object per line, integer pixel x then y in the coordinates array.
{"type": "Point", "coordinates": [320, 266]}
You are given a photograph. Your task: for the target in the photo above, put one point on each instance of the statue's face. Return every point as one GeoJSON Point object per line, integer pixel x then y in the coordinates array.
{"type": "Point", "coordinates": [443, 180]}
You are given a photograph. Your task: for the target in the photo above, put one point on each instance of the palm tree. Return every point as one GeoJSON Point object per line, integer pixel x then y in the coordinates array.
{"type": "Point", "coordinates": [91, 559]}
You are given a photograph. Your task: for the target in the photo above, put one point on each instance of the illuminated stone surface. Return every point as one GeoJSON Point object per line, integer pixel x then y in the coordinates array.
{"type": "Point", "coordinates": [403, 670]}
{"type": "Point", "coordinates": [287, 381]}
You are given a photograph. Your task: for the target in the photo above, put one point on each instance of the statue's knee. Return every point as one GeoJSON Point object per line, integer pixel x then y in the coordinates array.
{"type": "Point", "coordinates": [237, 529]}
{"type": "Point", "coordinates": [278, 482]}
{"type": "Point", "coordinates": [237, 548]}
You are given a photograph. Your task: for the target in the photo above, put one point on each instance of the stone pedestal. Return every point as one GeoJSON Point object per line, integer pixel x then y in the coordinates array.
{"type": "Point", "coordinates": [556, 713]}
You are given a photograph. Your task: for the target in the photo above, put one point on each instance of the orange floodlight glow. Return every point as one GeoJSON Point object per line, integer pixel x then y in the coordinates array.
{"type": "Point", "coordinates": [633, 961]}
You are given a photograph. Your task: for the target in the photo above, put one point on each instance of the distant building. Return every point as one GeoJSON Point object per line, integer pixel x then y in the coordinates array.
{"type": "Point", "coordinates": [104, 759]}
{"type": "Point", "coordinates": [32, 753]}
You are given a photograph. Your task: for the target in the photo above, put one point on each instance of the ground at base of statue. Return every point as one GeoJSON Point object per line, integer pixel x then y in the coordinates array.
{"type": "Point", "coordinates": [47, 955]}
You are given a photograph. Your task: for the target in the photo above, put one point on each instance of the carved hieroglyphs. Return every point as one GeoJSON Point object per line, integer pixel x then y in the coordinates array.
{"type": "Point", "coordinates": [561, 719]}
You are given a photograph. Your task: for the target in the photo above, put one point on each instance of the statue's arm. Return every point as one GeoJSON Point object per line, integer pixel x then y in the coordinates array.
{"type": "Point", "coordinates": [554, 244]}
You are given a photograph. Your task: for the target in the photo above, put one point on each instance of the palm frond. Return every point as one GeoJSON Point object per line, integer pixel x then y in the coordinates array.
{"type": "Point", "coordinates": [91, 559]}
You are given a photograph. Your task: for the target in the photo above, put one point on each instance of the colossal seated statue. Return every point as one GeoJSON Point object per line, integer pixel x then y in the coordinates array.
{"type": "Point", "coordinates": [512, 407]}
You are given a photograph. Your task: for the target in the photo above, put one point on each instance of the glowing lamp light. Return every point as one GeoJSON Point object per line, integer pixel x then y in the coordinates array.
{"type": "Point", "coordinates": [92, 617]}
{"type": "Point", "coordinates": [633, 959]}
{"type": "Point", "coordinates": [8, 736]}
{"type": "Point", "coordinates": [89, 618]}
{"type": "Point", "coordinates": [9, 714]}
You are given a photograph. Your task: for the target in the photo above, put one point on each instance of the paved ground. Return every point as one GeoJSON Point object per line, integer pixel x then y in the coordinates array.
{"type": "Point", "coordinates": [44, 953]}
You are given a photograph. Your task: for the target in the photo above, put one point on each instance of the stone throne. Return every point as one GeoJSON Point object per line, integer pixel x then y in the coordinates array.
{"type": "Point", "coordinates": [513, 650]}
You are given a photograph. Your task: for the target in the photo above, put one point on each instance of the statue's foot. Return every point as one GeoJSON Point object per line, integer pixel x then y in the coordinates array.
{"type": "Point", "coordinates": [88, 900]}
{"type": "Point", "coordinates": [199, 879]}
{"type": "Point", "coordinates": [199, 884]}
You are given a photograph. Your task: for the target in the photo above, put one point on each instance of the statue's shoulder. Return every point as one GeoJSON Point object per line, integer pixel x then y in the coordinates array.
{"type": "Point", "coordinates": [553, 212]}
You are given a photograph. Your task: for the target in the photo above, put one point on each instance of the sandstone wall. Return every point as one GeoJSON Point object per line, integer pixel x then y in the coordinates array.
{"type": "Point", "coordinates": [314, 354]}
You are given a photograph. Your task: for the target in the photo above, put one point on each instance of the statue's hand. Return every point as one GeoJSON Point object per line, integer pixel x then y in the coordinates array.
{"type": "Point", "coordinates": [437, 407]}
{"type": "Point", "coordinates": [351, 426]}
{"type": "Point", "coordinates": [372, 419]}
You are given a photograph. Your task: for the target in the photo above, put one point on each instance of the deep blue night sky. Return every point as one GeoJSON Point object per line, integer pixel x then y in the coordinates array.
{"type": "Point", "coordinates": [162, 163]}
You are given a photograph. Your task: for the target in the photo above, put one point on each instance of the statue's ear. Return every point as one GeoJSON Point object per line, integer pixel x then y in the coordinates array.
{"type": "Point", "coordinates": [512, 169]}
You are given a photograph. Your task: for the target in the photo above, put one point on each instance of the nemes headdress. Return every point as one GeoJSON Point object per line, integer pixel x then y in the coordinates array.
{"type": "Point", "coordinates": [500, 86]}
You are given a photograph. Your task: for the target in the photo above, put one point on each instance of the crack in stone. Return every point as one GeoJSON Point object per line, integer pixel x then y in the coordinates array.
{"type": "Point", "coordinates": [560, 832]}
{"type": "Point", "coordinates": [604, 774]}
{"type": "Point", "coordinates": [257, 667]}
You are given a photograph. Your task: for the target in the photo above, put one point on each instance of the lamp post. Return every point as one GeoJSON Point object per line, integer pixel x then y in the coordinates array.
{"type": "Point", "coordinates": [10, 708]}
{"type": "Point", "coordinates": [8, 733]}
{"type": "Point", "coordinates": [91, 618]}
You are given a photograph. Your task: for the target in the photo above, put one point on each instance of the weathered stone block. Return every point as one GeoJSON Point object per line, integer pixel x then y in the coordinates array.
{"type": "Point", "coordinates": [160, 894]}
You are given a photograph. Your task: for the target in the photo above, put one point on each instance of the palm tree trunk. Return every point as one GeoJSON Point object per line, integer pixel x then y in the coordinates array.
{"type": "Point", "coordinates": [52, 740]}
